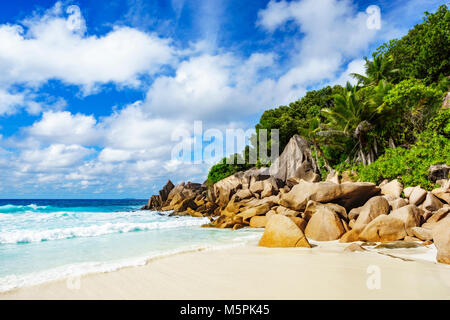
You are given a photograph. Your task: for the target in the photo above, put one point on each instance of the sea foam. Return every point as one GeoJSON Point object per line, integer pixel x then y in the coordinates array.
{"type": "Point", "coordinates": [26, 236]}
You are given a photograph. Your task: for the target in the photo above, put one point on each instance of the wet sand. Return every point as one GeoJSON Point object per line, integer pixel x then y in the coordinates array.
{"type": "Point", "coordinates": [251, 272]}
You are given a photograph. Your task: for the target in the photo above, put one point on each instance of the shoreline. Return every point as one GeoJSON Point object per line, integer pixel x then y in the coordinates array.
{"type": "Point", "coordinates": [84, 269]}
{"type": "Point", "coordinates": [251, 272]}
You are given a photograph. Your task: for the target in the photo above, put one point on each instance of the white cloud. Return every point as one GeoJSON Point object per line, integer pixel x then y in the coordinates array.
{"type": "Point", "coordinates": [332, 32]}
{"type": "Point", "coordinates": [114, 155]}
{"type": "Point", "coordinates": [55, 46]}
{"type": "Point", "coordinates": [12, 102]}
{"type": "Point", "coordinates": [64, 127]}
{"type": "Point", "coordinates": [221, 87]}
{"type": "Point", "coordinates": [274, 15]}
{"type": "Point", "coordinates": [214, 87]}
{"type": "Point", "coordinates": [9, 102]}
{"type": "Point", "coordinates": [134, 147]}
{"type": "Point", "coordinates": [52, 158]}
{"type": "Point", "coordinates": [132, 128]}
{"type": "Point", "coordinates": [355, 66]}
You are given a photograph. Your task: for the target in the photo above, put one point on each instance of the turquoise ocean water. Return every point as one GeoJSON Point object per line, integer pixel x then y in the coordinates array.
{"type": "Point", "coordinates": [43, 240]}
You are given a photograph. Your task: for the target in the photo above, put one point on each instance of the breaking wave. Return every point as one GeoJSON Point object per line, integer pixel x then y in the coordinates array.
{"type": "Point", "coordinates": [26, 236]}
{"type": "Point", "coordinates": [10, 208]}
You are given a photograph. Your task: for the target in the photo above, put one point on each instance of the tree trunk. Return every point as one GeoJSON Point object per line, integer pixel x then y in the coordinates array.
{"type": "Point", "coordinates": [371, 156]}
{"type": "Point", "coordinates": [391, 143]}
{"type": "Point", "coordinates": [326, 164]}
{"type": "Point", "coordinates": [363, 157]}
{"type": "Point", "coordinates": [317, 167]}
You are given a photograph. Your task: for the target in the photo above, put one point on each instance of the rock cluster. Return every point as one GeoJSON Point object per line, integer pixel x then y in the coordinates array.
{"type": "Point", "coordinates": [416, 215]}
{"type": "Point", "coordinates": [293, 207]}
{"type": "Point", "coordinates": [183, 199]}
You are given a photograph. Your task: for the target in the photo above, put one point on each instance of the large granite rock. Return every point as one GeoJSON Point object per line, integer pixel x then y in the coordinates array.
{"type": "Point", "coordinates": [393, 188]}
{"type": "Point", "coordinates": [182, 205]}
{"type": "Point", "coordinates": [286, 211]}
{"type": "Point", "coordinates": [281, 232]}
{"type": "Point", "coordinates": [224, 189]}
{"type": "Point", "coordinates": [437, 217]}
{"type": "Point", "coordinates": [258, 222]}
{"type": "Point", "coordinates": [443, 193]}
{"type": "Point", "coordinates": [350, 236]}
{"type": "Point", "coordinates": [296, 160]}
{"type": "Point", "coordinates": [410, 215]}
{"type": "Point", "coordinates": [185, 190]}
{"type": "Point", "coordinates": [432, 203]}
{"type": "Point", "coordinates": [383, 228]}
{"type": "Point", "coordinates": [257, 187]}
{"type": "Point", "coordinates": [438, 172]}
{"type": "Point", "coordinates": [164, 192]}
{"type": "Point", "coordinates": [252, 211]}
{"type": "Point", "coordinates": [397, 203]}
{"type": "Point", "coordinates": [324, 225]}
{"type": "Point", "coordinates": [348, 195]}
{"type": "Point", "coordinates": [236, 205]}
{"type": "Point", "coordinates": [270, 187]}
{"type": "Point", "coordinates": [225, 222]}
{"type": "Point", "coordinates": [372, 208]}
{"type": "Point", "coordinates": [441, 238]}
{"type": "Point", "coordinates": [417, 196]}
{"type": "Point", "coordinates": [408, 191]}
{"type": "Point", "coordinates": [184, 199]}
{"type": "Point", "coordinates": [354, 213]}
{"type": "Point", "coordinates": [156, 202]}
{"type": "Point", "coordinates": [422, 233]}
{"type": "Point", "coordinates": [301, 223]}
{"type": "Point", "coordinates": [313, 206]}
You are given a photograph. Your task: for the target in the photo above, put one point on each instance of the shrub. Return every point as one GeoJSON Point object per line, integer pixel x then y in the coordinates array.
{"type": "Point", "coordinates": [222, 169]}
{"type": "Point", "coordinates": [407, 109]}
{"type": "Point", "coordinates": [410, 166]}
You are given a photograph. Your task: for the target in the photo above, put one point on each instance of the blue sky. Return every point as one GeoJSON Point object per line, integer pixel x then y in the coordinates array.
{"type": "Point", "coordinates": [91, 92]}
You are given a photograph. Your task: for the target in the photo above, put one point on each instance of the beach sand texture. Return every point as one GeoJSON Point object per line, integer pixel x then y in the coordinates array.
{"type": "Point", "coordinates": [251, 272]}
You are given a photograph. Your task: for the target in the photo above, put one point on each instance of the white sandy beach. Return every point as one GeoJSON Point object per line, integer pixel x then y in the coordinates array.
{"type": "Point", "coordinates": [251, 272]}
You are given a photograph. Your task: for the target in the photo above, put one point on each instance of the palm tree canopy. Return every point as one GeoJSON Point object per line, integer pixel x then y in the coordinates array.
{"type": "Point", "coordinates": [378, 69]}
{"type": "Point", "coordinates": [348, 113]}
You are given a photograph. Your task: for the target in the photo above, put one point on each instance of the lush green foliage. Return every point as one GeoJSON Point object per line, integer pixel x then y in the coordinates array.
{"type": "Point", "coordinates": [388, 126]}
{"type": "Point", "coordinates": [409, 165]}
{"type": "Point", "coordinates": [440, 124]}
{"type": "Point", "coordinates": [291, 119]}
{"type": "Point", "coordinates": [222, 170]}
{"type": "Point", "coordinates": [406, 110]}
{"type": "Point", "coordinates": [424, 52]}
{"type": "Point", "coordinates": [227, 167]}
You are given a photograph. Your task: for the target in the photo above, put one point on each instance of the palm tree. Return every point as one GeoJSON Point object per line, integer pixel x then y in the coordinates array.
{"type": "Point", "coordinates": [376, 99]}
{"type": "Point", "coordinates": [311, 135]}
{"type": "Point", "coordinates": [380, 68]}
{"type": "Point", "coordinates": [351, 118]}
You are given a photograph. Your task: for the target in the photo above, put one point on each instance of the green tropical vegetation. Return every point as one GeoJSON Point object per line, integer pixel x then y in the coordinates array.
{"type": "Point", "coordinates": [228, 166]}
{"type": "Point", "coordinates": [391, 124]}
